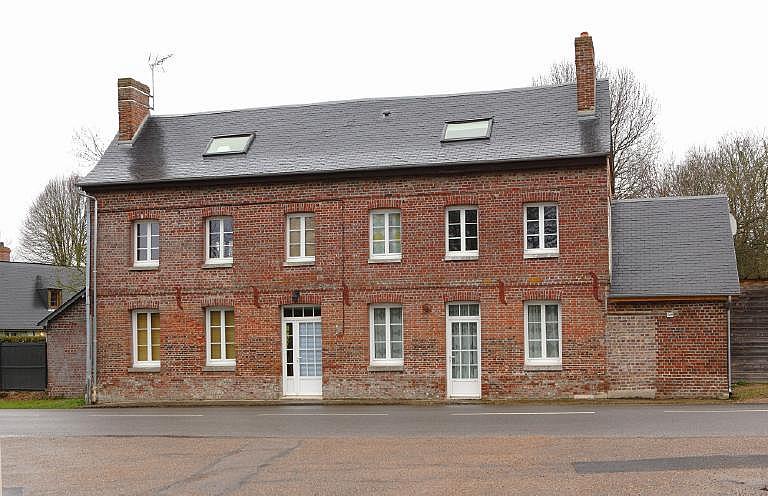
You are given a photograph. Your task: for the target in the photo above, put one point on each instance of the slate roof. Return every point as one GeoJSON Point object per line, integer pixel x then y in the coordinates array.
{"type": "Point", "coordinates": [529, 124]}
{"type": "Point", "coordinates": [24, 292]}
{"type": "Point", "coordinates": [673, 247]}
{"type": "Point", "coordinates": [67, 303]}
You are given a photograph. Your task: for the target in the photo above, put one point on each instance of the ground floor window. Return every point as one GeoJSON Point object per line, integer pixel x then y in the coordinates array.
{"type": "Point", "coordinates": [220, 336]}
{"type": "Point", "coordinates": [146, 338]}
{"type": "Point", "coordinates": [543, 342]}
{"type": "Point", "coordinates": [386, 334]}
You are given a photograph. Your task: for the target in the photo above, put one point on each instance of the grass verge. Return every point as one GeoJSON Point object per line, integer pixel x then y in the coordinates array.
{"type": "Point", "coordinates": [42, 403]}
{"type": "Point", "coordinates": [750, 391]}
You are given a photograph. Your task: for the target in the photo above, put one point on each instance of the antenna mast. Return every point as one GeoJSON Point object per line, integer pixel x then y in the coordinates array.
{"type": "Point", "coordinates": [156, 62]}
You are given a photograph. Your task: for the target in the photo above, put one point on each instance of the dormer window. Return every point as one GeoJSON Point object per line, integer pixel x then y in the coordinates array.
{"type": "Point", "coordinates": [467, 130]}
{"type": "Point", "coordinates": [54, 298]}
{"type": "Point", "coordinates": [229, 145]}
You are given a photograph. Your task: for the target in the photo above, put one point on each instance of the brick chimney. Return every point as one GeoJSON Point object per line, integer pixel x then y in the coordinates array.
{"type": "Point", "coordinates": [585, 74]}
{"type": "Point", "coordinates": [5, 253]}
{"type": "Point", "coordinates": [132, 107]}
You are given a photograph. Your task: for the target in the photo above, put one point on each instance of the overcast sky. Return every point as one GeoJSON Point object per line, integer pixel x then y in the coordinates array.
{"type": "Point", "coordinates": [705, 62]}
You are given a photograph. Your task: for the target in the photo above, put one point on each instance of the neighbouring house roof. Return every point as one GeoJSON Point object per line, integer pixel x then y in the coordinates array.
{"type": "Point", "coordinates": [24, 292]}
{"type": "Point", "coordinates": [672, 247]}
{"type": "Point", "coordinates": [54, 314]}
{"type": "Point", "coordinates": [373, 134]}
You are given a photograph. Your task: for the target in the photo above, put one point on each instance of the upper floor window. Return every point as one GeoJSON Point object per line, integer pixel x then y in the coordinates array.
{"type": "Point", "coordinates": [543, 343]}
{"type": "Point", "coordinates": [541, 229]}
{"type": "Point", "coordinates": [461, 232]}
{"type": "Point", "coordinates": [146, 241]}
{"type": "Point", "coordinates": [385, 235]}
{"type": "Point", "coordinates": [386, 335]}
{"type": "Point", "coordinates": [300, 238]}
{"type": "Point", "coordinates": [54, 298]}
{"type": "Point", "coordinates": [220, 336]}
{"type": "Point", "coordinates": [227, 145]}
{"type": "Point", "coordinates": [467, 130]}
{"type": "Point", "coordinates": [146, 338]}
{"type": "Point", "coordinates": [219, 232]}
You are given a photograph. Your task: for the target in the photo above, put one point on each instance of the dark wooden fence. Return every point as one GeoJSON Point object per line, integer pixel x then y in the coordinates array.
{"type": "Point", "coordinates": [23, 366]}
{"type": "Point", "coordinates": [749, 333]}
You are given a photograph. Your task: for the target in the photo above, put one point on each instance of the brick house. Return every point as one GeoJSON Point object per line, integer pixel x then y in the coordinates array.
{"type": "Point", "coordinates": [455, 246]}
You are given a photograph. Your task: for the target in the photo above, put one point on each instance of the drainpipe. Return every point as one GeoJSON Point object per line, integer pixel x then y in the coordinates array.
{"type": "Point", "coordinates": [90, 320]}
{"type": "Point", "coordinates": [730, 389]}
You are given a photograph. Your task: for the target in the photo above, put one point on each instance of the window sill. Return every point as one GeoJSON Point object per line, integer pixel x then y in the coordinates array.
{"type": "Point", "coordinates": [450, 257]}
{"type": "Point", "coordinates": [139, 268]}
{"type": "Point", "coordinates": [217, 265]}
{"type": "Point", "coordinates": [376, 260]}
{"type": "Point", "coordinates": [219, 368]}
{"type": "Point", "coordinates": [144, 369]}
{"type": "Point", "coordinates": [543, 367]}
{"type": "Point", "coordinates": [298, 263]}
{"type": "Point", "coordinates": [385, 368]}
{"type": "Point", "coordinates": [551, 254]}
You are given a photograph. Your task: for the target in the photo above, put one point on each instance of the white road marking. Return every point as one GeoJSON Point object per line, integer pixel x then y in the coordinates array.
{"type": "Point", "coordinates": [736, 410]}
{"type": "Point", "coordinates": [523, 413]}
{"type": "Point", "coordinates": [145, 415]}
{"type": "Point", "coordinates": [322, 414]}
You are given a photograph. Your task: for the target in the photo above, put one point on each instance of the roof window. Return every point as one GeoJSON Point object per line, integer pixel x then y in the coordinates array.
{"type": "Point", "coordinates": [227, 145]}
{"type": "Point", "coordinates": [467, 130]}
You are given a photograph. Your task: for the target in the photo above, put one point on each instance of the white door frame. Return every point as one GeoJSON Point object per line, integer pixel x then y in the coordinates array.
{"type": "Point", "coordinates": [296, 385]}
{"type": "Point", "coordinates": [462, 388]}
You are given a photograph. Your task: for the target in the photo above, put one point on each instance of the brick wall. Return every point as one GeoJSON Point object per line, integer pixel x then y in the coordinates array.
{"type": "Point", "coordinates": [651, 354]}
{"type": "Point", "coordinates": [65, 338]}
{"type": "Point", "coordinates": [345, 284]}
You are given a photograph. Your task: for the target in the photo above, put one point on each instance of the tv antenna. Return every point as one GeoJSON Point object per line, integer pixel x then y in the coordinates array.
{"type": "Point", "coordinates": [156, 62]}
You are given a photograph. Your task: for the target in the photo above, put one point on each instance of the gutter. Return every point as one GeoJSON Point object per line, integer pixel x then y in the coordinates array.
{"type": "Point", "coordinates": [90, 317]}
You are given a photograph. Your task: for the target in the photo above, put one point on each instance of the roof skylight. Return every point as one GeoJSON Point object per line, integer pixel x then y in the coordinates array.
{"type": "Point", "coordinates": [467, 130]}
{"type": "Point", "coordinates": [226, 145]}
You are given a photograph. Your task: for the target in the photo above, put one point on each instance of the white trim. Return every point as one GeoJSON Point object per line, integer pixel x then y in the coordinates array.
{"type": "Point", "coordinates": [371, 344]}
{"type": "Point", "coordinates": [220, 362]}
{"type": "Point", "coordinates": [473, 390]}
{"type": "Point", "coordinates": [134, 320]}
{"type": "Point", "coordinates": [149, 262]}
{"type": "Point", "coordinates": [463, 253]}
{"type": "Point", "coordinates": [387, 255]}
{"type": "Point", "coordinates": [540, 252]}
{"type": "Point", "coordinates": [222, 259]}
{"type": "Point", "coordinates": [543, 360]}
{"type": "Point", "coordinates": [295, 386]}
{"type": "Point", "coordinates": [303, 257]}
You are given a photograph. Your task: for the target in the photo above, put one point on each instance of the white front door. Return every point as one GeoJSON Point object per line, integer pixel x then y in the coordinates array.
{"type": "Point", "coordinates": [302, 351]}
{"type": "Point", "coordinates": [463, 345]}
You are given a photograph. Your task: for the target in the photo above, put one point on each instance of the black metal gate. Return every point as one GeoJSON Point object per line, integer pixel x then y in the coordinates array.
{"type": "Point", "coordinates": [23, 366]}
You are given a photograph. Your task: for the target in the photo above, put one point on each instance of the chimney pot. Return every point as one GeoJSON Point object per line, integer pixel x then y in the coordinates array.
{"type": "Point", "coordinates": [5, 253]}
{"type": "Point", "coordinates": [585, 74]}
{"type": "Point", "coordinates": [132, 107]}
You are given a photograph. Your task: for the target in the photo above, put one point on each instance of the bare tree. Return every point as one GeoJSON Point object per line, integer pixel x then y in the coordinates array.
{"type": "Point", "coordinates": [738, 167]}
{"type": "Point", "coordinates": [54, 230]}
{"type": "Point", "coordinates": [635, 143]}
{"type": "Point", "coordinates": [88, 145]}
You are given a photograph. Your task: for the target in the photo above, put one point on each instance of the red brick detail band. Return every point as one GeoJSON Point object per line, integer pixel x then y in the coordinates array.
{"type": "Point", "coordinates": [144, 302]}
{"type": "Point", "coordinates": [375, 203]}
{"type": "Point", "coordinates": [540, 196]}
{"type": "Point", "coordinates": [296, 208]}
{"type": "Point", "coordinates": [449, 200]}
{"type": "Point", "coordinates": [218, 301]}
{"type": "Point", "coordinates": [530, 294]}
{"type": "Point", "coordinates": [216, 211]}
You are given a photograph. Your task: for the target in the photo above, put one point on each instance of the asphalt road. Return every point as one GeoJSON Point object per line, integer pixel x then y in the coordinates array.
{"type": "Point", "coordinates": [583, 420]}
{"type": "Point", "coordinates": [711, 449]}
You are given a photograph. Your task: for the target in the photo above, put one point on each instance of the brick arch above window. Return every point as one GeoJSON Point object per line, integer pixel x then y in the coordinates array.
{"type": "Point", "coordinates": [135, 215]}
{"type": "Point", "coordinates": [218, 211]}
{"type": "Point", "coordinates": [381, 203]}
{"type": "Point", "coordinates": [461, 295]}
{"type": "Point", "coordinates": [299, 208]}
{"type": "Point", "coordinates": [459, 199]}
{"type": "Point", "coordinates": [304, 299]}
{"type": "Point", "coordinates": [218, 301]}
{"type": "Point", "coordinates": [144, 303]}
{"type": "Point", "coordinates": [540, 196]}
{"type": "Point", "coordinates": [536, 294]}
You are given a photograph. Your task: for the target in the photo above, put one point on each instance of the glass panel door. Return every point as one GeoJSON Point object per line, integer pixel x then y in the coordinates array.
{"type": "Point", "coordinates": [463, 346]}
{"type": "Point", "coordinates": [310, 350]}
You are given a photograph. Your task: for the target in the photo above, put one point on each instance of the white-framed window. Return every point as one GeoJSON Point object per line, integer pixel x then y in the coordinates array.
{"type": "Point", "coordinates": [146, 338]}
{"type": "Point", "coordinates": [541, 229]}
{"type": "Point", "coordinates": [218, 239]}
{"type": "Point", "coordinates": [386, 334]}
{"type": "Point", "coordinates": [385, 235]}
{"type": "Point", "coordinates": [543, 333]}
{"type": "Point", "coordinates": [461, 232]}
{"type": "Point", "coordinates": [146, 243]}
{"type": "Point", "coordinates": [220, 336]}
{"type": "Point", "coordinates": [300, 238]}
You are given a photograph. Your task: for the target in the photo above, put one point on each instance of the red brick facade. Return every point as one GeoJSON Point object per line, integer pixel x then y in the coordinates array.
{"type": "Point", "coordinates": [344, 283]}
{"type": "Point", "coordinates": [65, 339]}
{"type": "Point", "coordinates": [668, 349]}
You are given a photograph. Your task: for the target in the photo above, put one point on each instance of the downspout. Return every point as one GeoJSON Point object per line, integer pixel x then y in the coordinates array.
{"type": "Point", "coordinates": [730, 389]}
{"type": "Point", "coordinates": [90, 318]}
